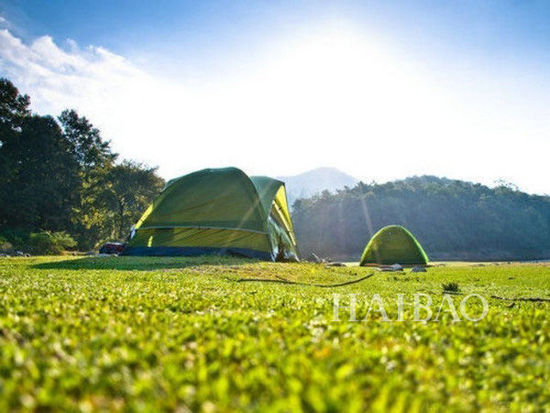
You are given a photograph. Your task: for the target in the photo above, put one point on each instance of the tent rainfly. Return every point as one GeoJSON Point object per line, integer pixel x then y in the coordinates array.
{"type": "Point", "coordinates": [217, 211]}
{"type": "Point", "coordinates": [394, 244]}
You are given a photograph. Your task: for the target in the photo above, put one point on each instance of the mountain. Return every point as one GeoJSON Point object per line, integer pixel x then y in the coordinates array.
{"type": "Point", "coordinates": [452, 219]}
{"type": "Point", "coordinates": [317, 180]}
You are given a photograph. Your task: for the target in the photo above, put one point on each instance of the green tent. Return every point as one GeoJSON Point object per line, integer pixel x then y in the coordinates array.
{"type": "Point", "coordinates": [217, 211]}
{"type": "Point", "coordinates": [394, 244]}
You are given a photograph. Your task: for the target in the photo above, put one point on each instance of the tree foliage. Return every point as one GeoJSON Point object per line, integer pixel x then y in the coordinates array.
{"type": "Point", "coordinates": [451, 219]}
{"type": "Point", "coordinates": [14, 107]}
{"type": "Point", "coordinates": [89, 149]}
{"type": "Point", "coordinates": [129, 190]}
{"type": "Point", "coordinates": [39, 177]}
{"type": "Point", "coordinates": [61, 176]}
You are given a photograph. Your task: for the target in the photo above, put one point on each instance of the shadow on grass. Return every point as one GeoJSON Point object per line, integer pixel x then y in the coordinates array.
{"type": "Point", "coordinates": [140, 263]}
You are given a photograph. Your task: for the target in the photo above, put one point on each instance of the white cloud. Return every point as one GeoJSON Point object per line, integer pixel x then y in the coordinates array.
{"type": "Point", "coordinates": [331, 99]}
{"type": "Point", "coordinates": [62, 77]}
{"type": "Point", "coordinates": [102, 85]}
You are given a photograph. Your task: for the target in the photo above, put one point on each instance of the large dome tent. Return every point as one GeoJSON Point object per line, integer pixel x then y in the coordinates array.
{"type": "Point", "coordinates": [394, 244]}
{"type": "Point", "coordinates": [217, 211]}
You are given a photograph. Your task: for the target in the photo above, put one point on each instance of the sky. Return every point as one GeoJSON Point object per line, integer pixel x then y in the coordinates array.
{"type": "Point", "coordinates": [381, 90]}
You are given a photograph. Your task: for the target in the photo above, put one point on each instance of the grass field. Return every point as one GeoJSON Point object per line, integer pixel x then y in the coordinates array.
{"type": "Point", "coordinates": [172, 333]}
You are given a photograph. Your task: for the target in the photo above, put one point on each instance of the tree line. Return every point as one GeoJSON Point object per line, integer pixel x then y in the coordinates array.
{"type": "Point", "coordinates": [452, 219]}
{"type": "Point", "coordinates": [60, 176]}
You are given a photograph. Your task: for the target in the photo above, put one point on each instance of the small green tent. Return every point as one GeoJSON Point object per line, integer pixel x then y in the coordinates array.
{"type": "Point", "coordinates": [391, 245]}
{"type": "Point", "coordinates": [217, 211]}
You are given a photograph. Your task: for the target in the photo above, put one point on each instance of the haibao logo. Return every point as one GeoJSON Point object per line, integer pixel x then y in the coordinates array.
{"type": "Point", "coordinates": [422, 309]}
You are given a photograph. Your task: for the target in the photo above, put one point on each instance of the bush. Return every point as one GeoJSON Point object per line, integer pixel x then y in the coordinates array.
{"type": "Point", "coordinates": [50, 243]}
{"type": "Point", "coordinates": [5, 246]}
{"type": "Point", "coordinates": [18, 238]}
{"type": "Point", "coordinates": [450, 287]}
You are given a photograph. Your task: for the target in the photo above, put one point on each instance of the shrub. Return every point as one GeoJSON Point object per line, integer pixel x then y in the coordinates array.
{"type": "Point", "coordinates": [451, 287]}
{"type": "Point", "coordinates": [16, 237]}
{"type": "Point", "coordinates": [5, 246]}
{"type": "Point", "coordinates": [50, 243]}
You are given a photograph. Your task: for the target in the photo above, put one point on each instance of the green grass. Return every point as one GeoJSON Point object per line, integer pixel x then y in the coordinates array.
{"type": "Point", "coordinates": [172, 333]}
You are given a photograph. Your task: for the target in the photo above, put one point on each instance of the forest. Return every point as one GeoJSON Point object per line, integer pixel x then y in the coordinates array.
{"type": "Point", "coordinates": [61, 185]}
{"type": "Point", "coordinates": [452, 219]}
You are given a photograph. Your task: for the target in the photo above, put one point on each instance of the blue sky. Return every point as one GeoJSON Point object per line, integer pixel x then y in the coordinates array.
{"type": "Point", "coordinates": [454, 88]}
{"type": "Point", "coordinates": [507, 31]}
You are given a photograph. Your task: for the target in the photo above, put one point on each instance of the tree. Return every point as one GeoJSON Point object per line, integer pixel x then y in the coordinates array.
{"type": "Point", "coordinates": [14, 107]}
{"type": "Point", "coordinates": [131, 188]}
{"type": "Point", "coordinates": [95, 159]}
{"type": "Point", "coordinates": [41, 186]}
{"type": "Point", "coordinates": [452, 219]}
{"type": "Point", "coordinates": [63, 177]}
{"type": "Point", "coordinates": [90, 150]}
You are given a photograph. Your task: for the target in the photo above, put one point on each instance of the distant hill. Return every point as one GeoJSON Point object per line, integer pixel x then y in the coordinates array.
{"type": "Point", "coordinates": [452, 219]}
{"type": "Point", "coordinates": [317, 180]}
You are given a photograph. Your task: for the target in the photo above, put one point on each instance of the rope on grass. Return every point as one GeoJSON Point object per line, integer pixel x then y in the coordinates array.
{"type": "Point", "coordinates": [282, 280]}
{"type": "Point", "coordinates": [532, 299]}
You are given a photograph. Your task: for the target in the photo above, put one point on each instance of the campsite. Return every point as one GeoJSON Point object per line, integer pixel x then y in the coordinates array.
{"type": "Point", "coordinates": [274, 206]}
